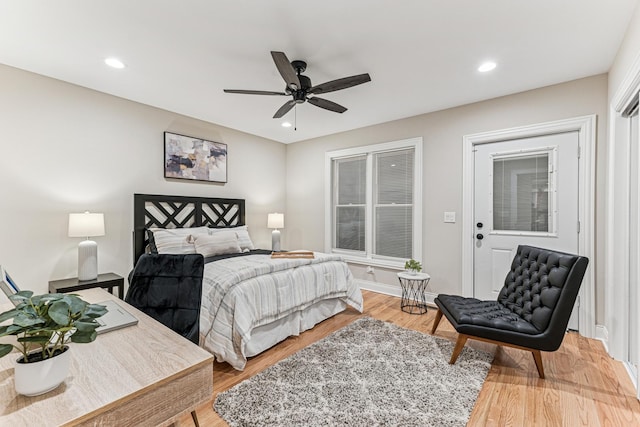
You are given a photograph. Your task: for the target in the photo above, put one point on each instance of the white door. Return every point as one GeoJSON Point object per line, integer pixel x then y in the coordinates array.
{"type": "Point", "coordinates": [526, 192]}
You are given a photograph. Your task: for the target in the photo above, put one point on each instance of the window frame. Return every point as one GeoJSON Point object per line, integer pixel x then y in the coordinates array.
{"type": "Point", "coordinates": [368, 257]}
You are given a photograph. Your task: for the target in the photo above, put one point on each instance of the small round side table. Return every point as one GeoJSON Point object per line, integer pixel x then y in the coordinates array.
{"type": "Point", "coordinates": [414, 287]}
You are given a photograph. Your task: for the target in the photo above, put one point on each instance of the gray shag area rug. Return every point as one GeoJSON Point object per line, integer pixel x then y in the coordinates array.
{"type": "Point", "coordinates": [369, 373]}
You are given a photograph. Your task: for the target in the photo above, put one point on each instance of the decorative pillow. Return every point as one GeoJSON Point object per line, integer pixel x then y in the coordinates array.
{"type": "Point", "coordinates": [168, 241]}
{"type": "Point", "coordinates": [224, 242]}
{"type": "Point", "coordinates": [243, 236]}
{"type": "Point", "coordinates": [186, 232]}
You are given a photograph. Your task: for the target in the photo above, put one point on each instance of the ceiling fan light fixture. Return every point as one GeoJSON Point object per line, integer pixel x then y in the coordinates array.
{"type": "Point", "coordinates": [487, 66]}
{"type": "Point", "coordinates": [114, 63]}
{"type": "Point", "coordinates": [286, 124]}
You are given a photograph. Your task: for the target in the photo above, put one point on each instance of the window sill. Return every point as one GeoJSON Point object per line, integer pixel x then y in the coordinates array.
{"type": "Point", "coordinates": [373, 262]}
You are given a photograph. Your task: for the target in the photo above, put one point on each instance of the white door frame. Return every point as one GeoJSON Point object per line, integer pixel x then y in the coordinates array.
{"type": "Point", "coordinates": [617, 220]}
{"type": "Point", "coordinates": [586, 128]}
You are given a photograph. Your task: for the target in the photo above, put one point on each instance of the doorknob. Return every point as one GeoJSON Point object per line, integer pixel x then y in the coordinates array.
{"type": "Point", "coordinates": [479, 236]}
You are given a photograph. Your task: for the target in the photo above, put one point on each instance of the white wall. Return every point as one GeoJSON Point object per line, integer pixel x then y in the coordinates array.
{"type": "Point", "coordinates": [442, 133]}
{"type": "Point", "coordinates": [621, 77]}
{"type": "Point", "coordinates": [69, 149]}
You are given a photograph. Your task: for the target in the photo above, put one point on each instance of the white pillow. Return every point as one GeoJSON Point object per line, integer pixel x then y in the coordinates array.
{"type": "Point", "coordinates": [224, 242]}
{"type": "Point", "coordinates": [243, 236]}
{"type": "Point", "coordinates": [170, 241]}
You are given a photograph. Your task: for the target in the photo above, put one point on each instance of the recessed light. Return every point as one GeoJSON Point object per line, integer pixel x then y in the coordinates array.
{"type": "Point", "coordinates": [114, 62]}
{"type": "Point", "coordinates": [286, 124]}
{"type": "Point", "coordinates": [487, 66]}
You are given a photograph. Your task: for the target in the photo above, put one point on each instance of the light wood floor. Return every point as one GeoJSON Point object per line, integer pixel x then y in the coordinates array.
{"type": "Point", "coordinates": [583, 385]}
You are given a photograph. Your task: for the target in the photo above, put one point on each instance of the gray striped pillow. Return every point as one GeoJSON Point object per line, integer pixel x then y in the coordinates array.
{"type": "Point", "coordinates": [169, 241]}
{"type": "Point", "coordinates": [223, 242]}
{"type": "Point", "coordinates": [243, 236]}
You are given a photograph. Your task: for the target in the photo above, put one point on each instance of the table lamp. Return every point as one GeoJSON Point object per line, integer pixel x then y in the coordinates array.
{"type": "Point", "coordinates": [87, 225]}
{"type": "Point", "coordinates": [275, 220]}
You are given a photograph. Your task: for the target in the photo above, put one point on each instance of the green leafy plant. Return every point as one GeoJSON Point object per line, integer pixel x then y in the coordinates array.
{"type": "Point", "coordinates": [48, 321]}
{"type": "Point", "coordinates": [414, 265]}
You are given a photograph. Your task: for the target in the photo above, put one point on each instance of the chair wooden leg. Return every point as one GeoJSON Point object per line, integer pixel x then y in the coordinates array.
{"type": "Point", "coordinates": [436, 321]}
{"type": "Point", "coordinates": [462, 339]}
{"type": "Point", "coordinates": [195, 418]}
{"type": "Point", "coordinates": [538, 359]}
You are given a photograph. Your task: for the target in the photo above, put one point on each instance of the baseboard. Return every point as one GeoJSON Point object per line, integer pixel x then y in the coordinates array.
{"type": "Point", "coordinates": [381, 288]}
{"type": "Point", "coordinates": [602, 334]}
{"type": "Point", "coordinates": [394, 291]}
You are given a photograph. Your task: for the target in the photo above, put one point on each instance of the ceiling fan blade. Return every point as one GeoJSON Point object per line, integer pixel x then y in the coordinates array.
{"type": "Point", "coordinates": [339, 84]}
{"type": "Point", "coordinates": [327, 105]}
{"type": "Point", "coordinates": [284, 109]}
{"type": "Point", "coordinates": [253, 92]}
{"type": "Point", "coordinates": [286, 70]}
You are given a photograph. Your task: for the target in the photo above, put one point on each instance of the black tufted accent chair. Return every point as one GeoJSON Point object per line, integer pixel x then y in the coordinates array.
{"type": "Point", "coordinates": [532, 310]}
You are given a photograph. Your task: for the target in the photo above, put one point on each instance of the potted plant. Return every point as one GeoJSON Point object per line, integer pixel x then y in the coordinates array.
{"type": "Point", "coordinates": [412, 266]}
{"type": "Point", "coordinates": [46, 322]}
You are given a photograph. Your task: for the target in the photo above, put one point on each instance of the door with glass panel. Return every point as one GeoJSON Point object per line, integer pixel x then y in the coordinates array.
{"type": "Point", "coordinates": [526, 192]}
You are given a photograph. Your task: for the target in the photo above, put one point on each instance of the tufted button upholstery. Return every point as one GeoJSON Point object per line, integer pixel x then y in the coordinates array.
{"type": "Point", "coordinates": [491, 314]}
{"type": "Point", "coordinates": [533, 306]}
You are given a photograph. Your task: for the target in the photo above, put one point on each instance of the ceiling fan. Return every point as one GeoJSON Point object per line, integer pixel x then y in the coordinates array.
{"type": "Point", "coordinates": [300, 89]}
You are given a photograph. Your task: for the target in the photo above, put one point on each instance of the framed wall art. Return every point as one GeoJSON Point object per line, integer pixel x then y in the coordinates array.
{"type": "Point", "coordinates": [187, 157]}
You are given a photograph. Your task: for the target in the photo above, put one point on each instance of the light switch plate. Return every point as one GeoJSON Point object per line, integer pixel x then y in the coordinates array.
{"type": "Point", "coordinates": [449, 217]}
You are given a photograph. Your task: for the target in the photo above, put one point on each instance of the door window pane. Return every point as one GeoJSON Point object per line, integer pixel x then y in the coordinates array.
{"type": "Point", "coordinates": [521, 196]}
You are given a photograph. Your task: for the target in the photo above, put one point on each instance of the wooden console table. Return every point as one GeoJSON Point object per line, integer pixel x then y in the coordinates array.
{"type": "Point", "coordinates": [142, 375]}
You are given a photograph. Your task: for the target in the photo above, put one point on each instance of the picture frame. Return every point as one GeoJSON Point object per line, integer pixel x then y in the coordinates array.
{"type": "Point", "coordinates": [196, 159]}
{"type": "Point", "coordinates": [7, 284]}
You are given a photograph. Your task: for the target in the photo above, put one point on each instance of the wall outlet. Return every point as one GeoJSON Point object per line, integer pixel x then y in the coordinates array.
{"type": "Point", "coordinates": [370, 270]}
{"type": "Point", "coordinates": [449, 217]}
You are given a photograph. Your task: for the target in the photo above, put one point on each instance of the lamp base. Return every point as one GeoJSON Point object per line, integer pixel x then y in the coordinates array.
{"type": "Point", "coordinates": [87, 260]}
{"type": "Point", "coordinates": [275, 240]}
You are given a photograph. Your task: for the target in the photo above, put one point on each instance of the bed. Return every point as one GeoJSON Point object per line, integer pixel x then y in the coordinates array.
{"type": "Point", "coordinates": [250, 301]}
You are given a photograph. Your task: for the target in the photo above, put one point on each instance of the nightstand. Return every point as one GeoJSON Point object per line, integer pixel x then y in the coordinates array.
{"type": "Point", "coordinates": [414, 287]}
{"type": "Point", "coordinates": [105, 281]}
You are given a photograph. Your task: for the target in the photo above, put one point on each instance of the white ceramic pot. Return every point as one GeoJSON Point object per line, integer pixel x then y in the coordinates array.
{"type": "Point", "coordinates": [32, 379]}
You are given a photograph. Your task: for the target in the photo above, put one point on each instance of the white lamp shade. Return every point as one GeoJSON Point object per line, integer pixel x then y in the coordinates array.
{"type": "Point", "coordinates": [86, 224]}
{"type": "Point", "coordinates": [275, 220]}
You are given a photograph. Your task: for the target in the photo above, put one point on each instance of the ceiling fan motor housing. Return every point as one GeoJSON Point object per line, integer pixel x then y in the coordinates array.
{"type": "Point", "coordinates": [300, 95]}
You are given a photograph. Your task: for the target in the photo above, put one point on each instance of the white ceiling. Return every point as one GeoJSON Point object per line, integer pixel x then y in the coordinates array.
{"type": "Point", "coordinates": [422, 55]}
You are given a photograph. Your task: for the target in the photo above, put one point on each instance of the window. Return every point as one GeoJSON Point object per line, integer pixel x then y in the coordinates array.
{"type": "Point", "coordinates": [374, 201]}
{"type": "Point", "coordinates": [523, 196]}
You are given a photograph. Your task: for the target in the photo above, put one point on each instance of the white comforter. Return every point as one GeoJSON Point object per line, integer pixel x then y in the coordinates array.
{"type": "Point", "coordinates": [239, 294]}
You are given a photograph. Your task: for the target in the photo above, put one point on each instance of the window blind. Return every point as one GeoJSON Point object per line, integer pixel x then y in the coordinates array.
{"type": "Point", "coordinates": [350, 176]}
{"type": "Point", "coordinates": [393, 203]}
{"type": "Point", "coordinates": [521, 193]}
